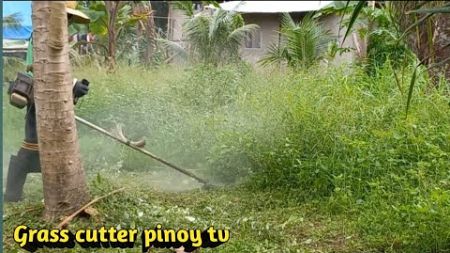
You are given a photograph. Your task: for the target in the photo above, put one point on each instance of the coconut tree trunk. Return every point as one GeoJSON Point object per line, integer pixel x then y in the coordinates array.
{"type": "Point", "coordinates": [63, 176]}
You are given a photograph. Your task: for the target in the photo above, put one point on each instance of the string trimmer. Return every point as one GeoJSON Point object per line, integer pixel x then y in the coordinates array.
{"type": "Point", "coordinates": [139, 146]}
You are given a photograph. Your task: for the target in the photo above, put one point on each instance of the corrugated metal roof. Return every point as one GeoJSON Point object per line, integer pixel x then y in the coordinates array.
{"type": "Point", "coordinates": [273, 6]}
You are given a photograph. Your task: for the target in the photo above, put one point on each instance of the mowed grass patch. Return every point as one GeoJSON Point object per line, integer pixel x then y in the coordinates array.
{"type": "Point", "coordinates": [258, 222]}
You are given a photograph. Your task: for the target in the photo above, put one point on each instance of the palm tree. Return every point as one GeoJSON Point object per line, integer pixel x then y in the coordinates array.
{"type": "Point", "coordinates": [214, 39]}
{"type": "Point", "coordinates": [304, 43]}
{"type": "Point", "coordinates": [65, 189]}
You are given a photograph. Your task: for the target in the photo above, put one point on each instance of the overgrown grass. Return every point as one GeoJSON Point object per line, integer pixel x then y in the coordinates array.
{"type": "Point", "coordinates": [326, 159]}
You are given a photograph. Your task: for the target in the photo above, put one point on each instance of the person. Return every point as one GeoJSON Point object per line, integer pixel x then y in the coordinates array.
{"type": "Point", "coordinates": [86, 40]}
{"type": "Point", "coordinates": [27, 158]}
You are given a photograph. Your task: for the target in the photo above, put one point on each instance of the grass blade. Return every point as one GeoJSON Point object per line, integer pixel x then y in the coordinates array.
{"type": "Point", "coordinates": [411, 88]}
{"type": "Point", "coordinates": [397, 81]}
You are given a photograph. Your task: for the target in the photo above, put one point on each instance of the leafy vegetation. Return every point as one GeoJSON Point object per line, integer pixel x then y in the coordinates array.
{"type": "Point", "coordinates": [305, 43]}
{"type": "Point", "coordinates": [305, 159]}
{"type": "Point", "coordinates": [422, 26]}
{"type": "Point", "coordinates": [213, 39]}
{"type": "Point", "coordinates": [324, 161]}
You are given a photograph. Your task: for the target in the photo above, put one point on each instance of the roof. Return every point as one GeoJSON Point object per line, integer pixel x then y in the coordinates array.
{"type": "Point", "coordinates": [273, 6]}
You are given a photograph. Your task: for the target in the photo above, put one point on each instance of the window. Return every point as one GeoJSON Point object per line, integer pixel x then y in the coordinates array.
{"type": "Point", "coordinates": [253, 39]}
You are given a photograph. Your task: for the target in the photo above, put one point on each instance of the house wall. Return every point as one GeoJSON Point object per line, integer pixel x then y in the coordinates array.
{"type": "Point", "coordinates": [268, 24]}
{"type": "Point", "coordinates": [176, 20]}
{"type": "Point", "coordinates": [353, 41]}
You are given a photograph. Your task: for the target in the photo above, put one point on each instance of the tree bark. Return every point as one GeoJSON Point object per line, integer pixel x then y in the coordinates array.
{"type": "Point", "coordinates": [112, 9]}
{"type": "Point", "coordinates": [147, 27]}
{"type": "Point", "coordinates": [442, 50]}
{"type": "Point", "coordinates": [151, 35]}
{"type": "Point", "coordinates": [63, 175]}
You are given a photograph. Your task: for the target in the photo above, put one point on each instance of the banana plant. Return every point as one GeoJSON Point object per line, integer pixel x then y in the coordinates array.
{"type": "Point", "coordinates": [109, 20]}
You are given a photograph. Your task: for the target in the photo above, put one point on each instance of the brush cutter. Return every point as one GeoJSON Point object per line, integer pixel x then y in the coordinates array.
{"type": "Point", "coordinates": [139, 146]}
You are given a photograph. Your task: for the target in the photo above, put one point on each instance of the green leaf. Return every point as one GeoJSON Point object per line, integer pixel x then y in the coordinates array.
{"type": "Point", "coordinates": [443, 9]}
{"type": "Point", "coordinates": [353, 18]}
{"type": "Point", "coordinates": [411, 88]}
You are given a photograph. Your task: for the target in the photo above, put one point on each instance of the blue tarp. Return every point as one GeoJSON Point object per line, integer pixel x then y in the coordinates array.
{"type": "Point", "coordinates": [24, 10]}
{"type": "Point", "coordinates": [22, 33]}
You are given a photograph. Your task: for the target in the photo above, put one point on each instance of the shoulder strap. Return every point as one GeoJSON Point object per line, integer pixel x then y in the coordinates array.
{"type": "Point", "coordinates": [29, 58]}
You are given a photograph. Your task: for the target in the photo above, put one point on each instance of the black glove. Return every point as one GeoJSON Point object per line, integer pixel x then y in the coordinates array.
{"type": "Point", "coordinates": [80, 88]}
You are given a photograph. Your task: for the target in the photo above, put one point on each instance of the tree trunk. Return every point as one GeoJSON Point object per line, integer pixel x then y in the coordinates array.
{"type": "Point", "coordinates": [63, 175]}
{"type": "Point", "coordinates": [147, 27]}
{"type": "Point", "coordinates": [112, 8]}
{"type": "Point", "coordinates": [151, 35]}
{"type": "Point", "coordinates": [140, 28]}
{"type": "Point", "coordinates": [442, 50]}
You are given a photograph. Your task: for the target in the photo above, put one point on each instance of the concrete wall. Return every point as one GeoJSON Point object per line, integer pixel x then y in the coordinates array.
{"type": "Point", "coordinates": [353, 41]}
{"type": "Point", "coordinates": [175, 24]}
{"type": "Point", "coordinates": [269, 25]}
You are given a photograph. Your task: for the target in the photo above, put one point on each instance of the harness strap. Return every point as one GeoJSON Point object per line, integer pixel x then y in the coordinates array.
{"type": "Point", "coordinates": [30, 146]}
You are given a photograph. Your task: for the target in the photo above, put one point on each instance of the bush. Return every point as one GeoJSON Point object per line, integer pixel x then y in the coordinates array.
{"type": "Point", "coordinates": [346, 139]}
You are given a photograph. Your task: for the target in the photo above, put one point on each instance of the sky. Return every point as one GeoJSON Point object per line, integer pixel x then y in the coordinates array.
{"type": "Point", "coordinates": [23, 7]}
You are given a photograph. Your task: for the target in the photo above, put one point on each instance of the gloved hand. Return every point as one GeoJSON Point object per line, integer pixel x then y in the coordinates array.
{"type": "Point", "coordinates": [80, 88]}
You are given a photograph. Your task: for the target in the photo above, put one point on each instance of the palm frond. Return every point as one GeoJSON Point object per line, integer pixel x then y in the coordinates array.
{"type": "Point", "coordinates": [186, 6]}
{"type": "Point", "coordinates": [241, 33]}
{"type": "Point", "coordinates": [13, 20]}
{"type": "Point", "coordinates": [275, 55]}
{"type": "Point", "coordinates": [173, 46]}
{"type": "Point", "coordinates": [286, 21]}
{"type": "Point", "coordinates": [216, 38]}
{"type": "Point", "coordinates": [304, 43]}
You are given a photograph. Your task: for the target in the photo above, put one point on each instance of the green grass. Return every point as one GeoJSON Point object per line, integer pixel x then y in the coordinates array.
{"type": "Point", "coordinates": [308, 161]}
{"type": "Point", "coordinates": [259, 222]}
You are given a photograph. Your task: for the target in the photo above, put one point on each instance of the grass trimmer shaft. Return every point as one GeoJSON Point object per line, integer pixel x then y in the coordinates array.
{"type": "Point", "coordinates": [142, 150]}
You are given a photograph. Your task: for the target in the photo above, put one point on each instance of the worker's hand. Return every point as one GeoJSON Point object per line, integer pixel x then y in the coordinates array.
{"type": "Point", "coordinates": [81, 88]}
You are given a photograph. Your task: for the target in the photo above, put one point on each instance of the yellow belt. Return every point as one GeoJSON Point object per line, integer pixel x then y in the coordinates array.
{"type": "Point", "coordinates": [30, 146]}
